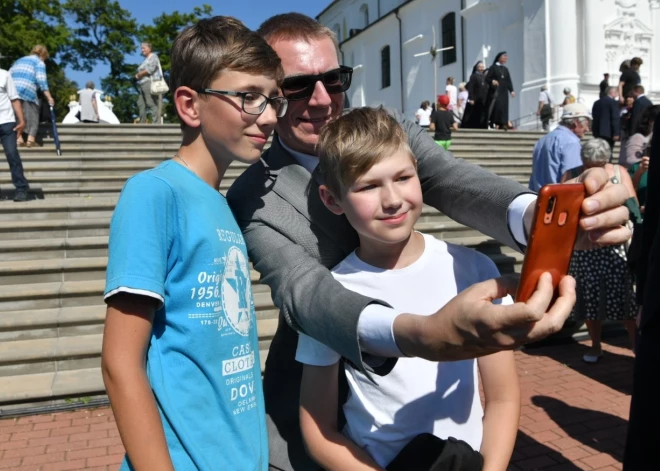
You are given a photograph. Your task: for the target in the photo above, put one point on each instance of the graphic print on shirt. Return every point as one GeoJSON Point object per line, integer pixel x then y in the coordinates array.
{"type": "Point", "coordinates": [236, 292]}
{"type": "Point", "coordinates": [223, 298]}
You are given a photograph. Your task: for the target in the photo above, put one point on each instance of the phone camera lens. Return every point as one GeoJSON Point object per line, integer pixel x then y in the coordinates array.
{"type": "Point", "coordinates": [551, 205]}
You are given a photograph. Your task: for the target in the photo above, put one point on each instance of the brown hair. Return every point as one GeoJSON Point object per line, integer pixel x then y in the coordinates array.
{"type": "Point", "coordinates": [636, 61]}
{"type": "Point", "coordinates": [353, 143]}
{"type": "Point", "coordinates": [288, 26]}
{"type": "Point", "coordinates": [41, 51]}
{"type": "Point", "coordinates": [639, 88]}
{"type": "Point", "coordinates": [201, 51]}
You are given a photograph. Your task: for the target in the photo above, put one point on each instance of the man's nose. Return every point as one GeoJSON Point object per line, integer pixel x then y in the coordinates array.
{"type": "Point", "coordinates": [320, 96]}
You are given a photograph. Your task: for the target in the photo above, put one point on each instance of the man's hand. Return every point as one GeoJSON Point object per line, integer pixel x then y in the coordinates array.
{"type": "Point", "coordinates": [496, 83]}
{"type": "Point", "coordinates": [470, 325]}
{"type": "Point", "coordinates": [513, 94]}
{"type": "Point", "coordinates": [644, 165]}
{"type": "Point", "coordinates": [19, 127]}
{"type": "Point", "coordinates": [603, 214]}
{"type": "Point", "coordinates": [616, 138]}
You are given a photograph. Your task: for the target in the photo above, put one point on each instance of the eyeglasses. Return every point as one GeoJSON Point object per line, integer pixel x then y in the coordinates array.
{"type": "Point", "coordinates": [253, 103]}
{"type": "Point", "coordinates": [300, 87]}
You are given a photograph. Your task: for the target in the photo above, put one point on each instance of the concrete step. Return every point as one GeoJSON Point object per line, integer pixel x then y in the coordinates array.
{"type": "Point", "coordinates": [64, 294]}
{"type": "Point", "coordinates": [50, 270]}
{"type": "Point", "coordinates": [40, 387]}
{"type": "Point", "coordinates": [64, 366]}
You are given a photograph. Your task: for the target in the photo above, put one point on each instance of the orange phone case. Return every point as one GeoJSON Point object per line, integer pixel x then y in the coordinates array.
{"type": "Point", "coordinates": [553, 236]}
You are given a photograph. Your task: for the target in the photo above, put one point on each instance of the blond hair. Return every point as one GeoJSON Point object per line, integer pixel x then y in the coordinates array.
{"type": "Point", "coordinates": [295, 26]}
{"type": "Point", "coordinates": [41, 51]}
{"type": "Point", "coordinates": [353, 143]}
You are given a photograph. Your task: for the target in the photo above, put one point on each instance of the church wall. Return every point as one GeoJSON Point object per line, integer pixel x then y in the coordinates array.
{"type": "Point", "coordinates": [363, 53]}
{"type": "Point", "coordinates": [349, 14]}
{"type": "Point", "coordinates": [561, 43]}
{"type": "Point", "coordinates": [421, 17]}
{"type": "Point", "coordinates": [417, 18]}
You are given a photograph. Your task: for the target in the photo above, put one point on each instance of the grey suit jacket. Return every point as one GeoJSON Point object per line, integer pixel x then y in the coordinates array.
{"type": "Point", "coordinates": [294, 241]}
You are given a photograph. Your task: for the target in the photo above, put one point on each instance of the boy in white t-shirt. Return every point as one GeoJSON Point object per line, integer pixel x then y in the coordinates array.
{"type": "Point", "coordinates": [370, 175]}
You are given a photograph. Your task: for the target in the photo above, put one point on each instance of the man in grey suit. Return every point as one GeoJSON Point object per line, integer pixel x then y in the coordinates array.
{"type": "Point", "coordinates": [293, 241]}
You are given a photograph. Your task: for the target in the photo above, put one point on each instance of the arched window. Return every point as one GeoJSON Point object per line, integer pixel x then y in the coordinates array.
{"type": "Point", "coordinates": [337, 30]}
{"type": "Point", "coordinates": [448, 28]}
{"type": "Point", "coordinates": [385, 79]}
{"type": "Point", "coordinates": [364, 9]}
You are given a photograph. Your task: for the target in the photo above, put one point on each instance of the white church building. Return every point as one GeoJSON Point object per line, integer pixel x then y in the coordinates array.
{"type": "Point", "coordinates": [559, 43]}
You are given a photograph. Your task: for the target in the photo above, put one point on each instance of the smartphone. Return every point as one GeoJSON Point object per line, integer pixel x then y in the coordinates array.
{"type": "Point", "coordinates": [552, 239]}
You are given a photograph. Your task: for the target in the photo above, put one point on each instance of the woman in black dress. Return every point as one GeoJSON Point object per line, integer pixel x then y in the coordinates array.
{"type": "Point", "coordinates": [499, 86]}
{"type": "Point", "coordinates": [475, 110]}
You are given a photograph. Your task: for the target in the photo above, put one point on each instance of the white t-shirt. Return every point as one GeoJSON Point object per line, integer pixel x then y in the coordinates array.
{"type": "Point", "coordinates": [7, 94]}
{"type": "Point", "coordinates": [417, 396]}
{"type": "Point", "coordinates": [424, 116]}
{"type": "Point", "coordinates": [544, 97]}
{"type": "Point", "coordinates": [452, 93]}
{"type": "Point", "coordinates": [464, 95]}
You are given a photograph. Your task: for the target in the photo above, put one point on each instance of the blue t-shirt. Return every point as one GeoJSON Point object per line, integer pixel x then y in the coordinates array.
{"type": "Point", "coordinates": [174, 238]}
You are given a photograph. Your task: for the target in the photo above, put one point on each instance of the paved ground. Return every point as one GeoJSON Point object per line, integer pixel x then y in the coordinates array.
{"type": "Point", "coordinates": [574, 417]}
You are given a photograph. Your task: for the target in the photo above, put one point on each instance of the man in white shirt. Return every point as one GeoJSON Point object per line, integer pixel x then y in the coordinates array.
{"type": "Point", "coordinates": [11, 126]}
{"type": "Point", "coordinates": [546, 109]}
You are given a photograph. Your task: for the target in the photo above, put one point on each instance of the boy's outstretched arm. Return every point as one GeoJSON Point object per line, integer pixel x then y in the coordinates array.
{"type": "Point", "coordinates": [318, 422]}
{"type": "Point", "coordinates": [502, 412]}
{"type": "Point", "coordinates": [128, 325]}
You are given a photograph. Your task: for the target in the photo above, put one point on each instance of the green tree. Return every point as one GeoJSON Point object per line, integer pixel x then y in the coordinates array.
{"type": "Point", "coordinates": [25, 23]}
{"type": "Point", "coordinates": [103, 32]}
{"type": "Point", "coordinates": [161, 35]}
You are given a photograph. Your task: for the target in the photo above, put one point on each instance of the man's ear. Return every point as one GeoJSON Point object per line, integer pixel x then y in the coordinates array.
{"type": "Point", "coordinates": [329, 200]}
{"type": "Point", "coordinates": [186, 102]}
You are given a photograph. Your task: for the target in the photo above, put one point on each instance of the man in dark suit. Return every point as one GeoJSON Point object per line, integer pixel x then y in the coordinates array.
{"type": "Point", "coordinates": [641, 452]}
{"type": "Point", "coordinates": [640, 104]}
{"type": "Point", "coordinates": [605, 114]}
{"type": "Point", "coordinates": [293, 242]}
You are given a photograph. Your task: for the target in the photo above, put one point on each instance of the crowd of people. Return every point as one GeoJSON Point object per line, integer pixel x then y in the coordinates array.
{"type": "Point", "coordinates": [482, 102]}
{"type": "Point", "coordinates": [605, 275]}
{"type": "Point", "coordinates": [374, 362]}
{"type": "Point", "coordinates": [614, 281]}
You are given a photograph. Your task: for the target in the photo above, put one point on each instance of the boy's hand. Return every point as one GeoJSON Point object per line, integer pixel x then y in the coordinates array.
{"type": "Point", "coordinates": [603, 214]}
{"type": "Point", "coordinates": [470, 325]}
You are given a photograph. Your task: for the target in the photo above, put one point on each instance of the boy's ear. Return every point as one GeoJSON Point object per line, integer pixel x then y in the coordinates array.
{"type": "Point", "coordinates": [186, 101]}
{"type": "Point", "coordinates": [329, 200]}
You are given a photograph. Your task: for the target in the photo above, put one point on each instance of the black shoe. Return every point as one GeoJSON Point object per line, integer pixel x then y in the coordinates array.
{"type": "Point", "coordinates": [20, 195]}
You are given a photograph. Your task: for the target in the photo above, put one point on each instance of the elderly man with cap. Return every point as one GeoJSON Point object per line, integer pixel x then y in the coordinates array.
{"type": "Point", "coordinates": [559, 150]}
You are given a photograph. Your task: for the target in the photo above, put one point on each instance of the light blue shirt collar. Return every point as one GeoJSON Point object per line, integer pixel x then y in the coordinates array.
{"type": "Point", "coordinates": [310, 162]}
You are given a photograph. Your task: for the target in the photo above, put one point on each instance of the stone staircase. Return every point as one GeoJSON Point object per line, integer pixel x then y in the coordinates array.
{"type": "Point", "coordinates": [53, 250]}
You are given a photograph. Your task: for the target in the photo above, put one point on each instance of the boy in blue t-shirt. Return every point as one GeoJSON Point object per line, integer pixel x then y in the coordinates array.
{"type": "Point", "coordinates": [180, 350]}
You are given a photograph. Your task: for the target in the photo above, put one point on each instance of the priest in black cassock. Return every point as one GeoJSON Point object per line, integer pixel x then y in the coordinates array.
{"type": "Point", "coordinates": [500, 85]}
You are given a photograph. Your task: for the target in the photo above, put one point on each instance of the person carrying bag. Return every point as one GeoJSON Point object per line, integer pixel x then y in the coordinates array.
{"type": "Point", "coordinates": [150, 84]}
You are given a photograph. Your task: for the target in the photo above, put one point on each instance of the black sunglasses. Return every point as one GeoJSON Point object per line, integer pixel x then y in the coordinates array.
{"type": "Point", "coordinates": [300, 87]}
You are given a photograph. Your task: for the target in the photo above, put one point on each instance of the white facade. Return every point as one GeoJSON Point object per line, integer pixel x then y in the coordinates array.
{"type": "Point", "coordinates": [561, 43]}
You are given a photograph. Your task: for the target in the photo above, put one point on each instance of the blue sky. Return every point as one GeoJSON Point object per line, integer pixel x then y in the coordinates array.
{"type": "Point", "coordinates": [250, 12]}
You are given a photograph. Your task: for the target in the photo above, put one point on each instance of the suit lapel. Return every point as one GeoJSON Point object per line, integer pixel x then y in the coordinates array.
{"type": "Point", "coordinates": [295, 184]}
